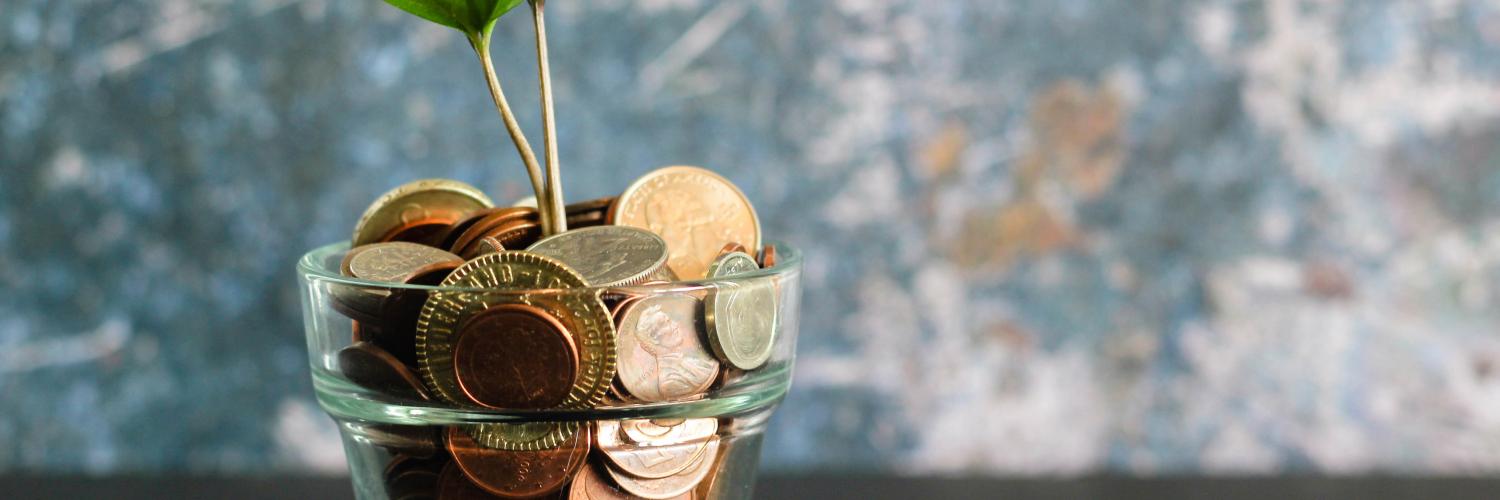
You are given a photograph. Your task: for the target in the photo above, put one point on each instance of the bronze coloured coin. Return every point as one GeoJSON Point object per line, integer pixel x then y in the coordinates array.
{"type": "Point", "coordinates": [422, 200]}
{"type": "Point", "coordinates": [520, 473]}
{"type": "Point", "coordinates": [504, 276]}
{"type": "Point", "coordinates": [768, 257]}
{"type": "Point", "coordinates": [659, 432]}
{"type": "Point", "coordinates": [515, 356]}
{"type": "Point", "coordinates": [658, 354]}
{"type": "Point", "coordinates": [695, 210]}
{"type": "Point", "coordinates": [589, 213]}
{"type": "Point", "coordinates": [377, 370]}
{"type": "Point", "coordinates": [740, 314]}
{"type": "Point", "coordinates": [645, 461]}
{"type": "Point", "coordinates": [671, 486]}
{"type": "Point", "coordinates": [607, 255]}
{"type": "Point", "coordinates": [516, 233]}
{"type": "Point", "coordinates": [486, 225]}
{"type": "Point", "coordinates": [458, 228]}
{"type": "Point", "coordinates": [592, 483]}
{"type": "Point", "coordinates": [732, 248]}
{"type": "Point", "coordinates": [423, 232]}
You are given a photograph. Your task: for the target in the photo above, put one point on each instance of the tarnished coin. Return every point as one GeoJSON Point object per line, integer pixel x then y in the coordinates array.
{"type": "Point", "coordinates": [392, 262]}
{"type": "Point", "coordinates": [458, 229]}
{"type": "Point", "coordinates": [511, 234]}
{"type": "Point", "coordinates": [670, 486]}
{"type": "Point", "coordinates": [660, 432]}
{"type": "Point", "coordinates": [581, 313]}
{"type": "Point", "coordinates": [695, 210]}
{"type": "Point", "coordinates": [589, 213]}
{"type": "Point", "coordinates": [607, 255]}
{"type": "Point", "coordinates": [487, 225]}
{"type": "Point", "coordinates": [519, 473]}
{"type": "Point", "coordinates": [489, 244]}
{"type": "Point", "coordinates": [515, 356]}
{"type": "Point", "coordinates": [740, 315]}
{"type": "Point", "coordinates": [375, 369]}
{"type": "Point", "coordinates": [591, 483]}
{"type": "Point", "coordinates": [645, 461]}
{"type": "Point", "coordinates": [732, 247]}
{"type": "Point", "coordinates": [400, 309]}
{"type": "Point", "coordinates": [768, 257]}
{"type": "Point", "coordinates": [658, 354]}
{"type": "Point", "coordinates": [426, 201]}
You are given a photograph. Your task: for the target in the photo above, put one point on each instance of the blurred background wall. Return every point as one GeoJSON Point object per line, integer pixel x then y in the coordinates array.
{"type": "Point", "coordinates": [1042, 236]}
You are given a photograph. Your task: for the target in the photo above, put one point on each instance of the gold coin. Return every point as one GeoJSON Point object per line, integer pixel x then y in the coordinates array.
{"type": "Point", "coordinates": [695, 210]}
{"type": "Point", "coordinates": [504, 273]}
{"type": "Point", "coordinates": [421, 200]}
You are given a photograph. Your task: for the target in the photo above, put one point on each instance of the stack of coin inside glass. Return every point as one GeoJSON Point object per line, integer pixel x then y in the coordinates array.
{"type": "Point", "coordinates": [527, 322]}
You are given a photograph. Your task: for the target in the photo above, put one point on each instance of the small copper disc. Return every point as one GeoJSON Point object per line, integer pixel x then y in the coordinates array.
{"type": "Point", "coordinates": [375, 369]}
{"type": "Point", "coordinates": [733, 247]}
{"type": "Point", "coordinates": [425, 231]}
{"type": "Point", "coordinates": [515, 356]}
{"type": "Point", "coordinates": [768, 257]}
{"type": "Point", "coordinates": [516, 474]}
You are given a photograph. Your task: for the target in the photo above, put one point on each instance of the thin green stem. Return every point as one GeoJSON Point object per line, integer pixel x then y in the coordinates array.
{"type": "Point", "coordinates": [481, 46]}
{"type": "Point", "coordinates": [549, 128]}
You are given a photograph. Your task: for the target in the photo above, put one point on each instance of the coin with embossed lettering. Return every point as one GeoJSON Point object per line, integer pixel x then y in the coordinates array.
{"type": "Point", "coordinates": [423, 203]}
{"type": "Point", "coordinates": [649, 461]}
{"type": "Point", "coordinates": [517, 278]}
{"type": "Point", "coordinates": [607, 255]}
{"type": "Point", "coordinates": [674, 485]}
{"type": "Point", "coordinates": [740, 314]}
{"type": "Point", "coordinates": [518, 473]}
{"type": "Point", "coordinates": [695, 210]}
{"type": "Point", "coordinates": [658, 354]}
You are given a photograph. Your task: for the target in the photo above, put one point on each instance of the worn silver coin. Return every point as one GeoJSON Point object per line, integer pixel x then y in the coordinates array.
{"type": "Point", "coordinates": [740, 314]}
{"type": "Point", "coordinates": [607, 255]}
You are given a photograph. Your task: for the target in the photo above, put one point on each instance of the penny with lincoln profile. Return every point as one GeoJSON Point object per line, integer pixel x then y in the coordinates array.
{"type": "Point", "coordinates": [659, 356]}
{"type": "Point", "coordinates": [515, 356]}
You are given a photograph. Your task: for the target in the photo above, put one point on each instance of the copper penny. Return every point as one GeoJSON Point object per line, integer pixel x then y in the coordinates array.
{"type": "Point", "coordinates": [399, 311]}
{"type": "Point", "coordinates": [375, 369]}
{"type": "Point", "coordinates": [671, 486]}
{"type": "Point", "coordinates": [458, 228]}
{"type": "Point", "coordinates": [487, 224]}
{"type": "Point", "coordinates": [518, 474]}
{"type": "Point", "coordinates": [695, 210]}
{"type": "Point", "coordinates": [423, 232]}
{"type": "Point", "coordinates": [768, 257]}
{"type": "Point", "coordinates": [592, 483]}
{"type": "Point", "coordinates": [732, 248]}
{"type": "Point", "coordinates": [658, 355]}
{"type": "Point", "coordinates": [515, 356]}
{"type": "Point", "coordinates": [518, 233]}
{"type": "Point", "coordinates": [489, 244]}
{"type": "Point", "coordinates": [648, 461]}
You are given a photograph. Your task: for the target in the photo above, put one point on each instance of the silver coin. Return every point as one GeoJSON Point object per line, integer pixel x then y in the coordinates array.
{"type": "Point", "coordinates": [607, 255]}
{"type": "Point", "coordinates": [741, 314]}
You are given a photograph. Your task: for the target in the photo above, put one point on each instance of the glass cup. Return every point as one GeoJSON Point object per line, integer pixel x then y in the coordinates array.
{"type": "Point", "coordinates": [667, 421]}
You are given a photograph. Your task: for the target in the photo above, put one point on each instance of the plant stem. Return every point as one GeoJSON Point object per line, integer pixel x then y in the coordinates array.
{"type": "Point", "coordinates": [553, 183]}
{"type": "Point", "coordinates": [481, 45]}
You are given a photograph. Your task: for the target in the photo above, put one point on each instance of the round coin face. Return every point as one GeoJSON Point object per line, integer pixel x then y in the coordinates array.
{"type": "Point", "coordinates": [658, 354]}
{"type": "Point", "coordinates": [645, 461]}
{"type": "Point", "coordinates": [518, 473]}
{"type": "Point", "coordinates": [581, 313]}
{"type": "Point", "coordinates": [607, 255]}
{"type": "Point", "coordinates": [393, 262]}
{"type": "Point", "coordinates": [741, 315]}
{"type": "Point", "coordinates": [695, 210]}
{"type": "Point", "coordinates": [515, 356]}
{"type": "Point", "coordinates": [423, 201]}
{"type": "Point", "coordinates": [671, 486]}
{"type": "Point", "coordinates": [592, 484]}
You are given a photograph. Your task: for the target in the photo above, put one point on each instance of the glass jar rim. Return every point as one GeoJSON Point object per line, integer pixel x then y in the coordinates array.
{"type": "Point", "coordinates": [315, 265]}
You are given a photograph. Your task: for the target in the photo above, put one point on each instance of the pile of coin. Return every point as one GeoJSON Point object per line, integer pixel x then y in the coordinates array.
{"type": "Point", "coordinates": [574, 321]}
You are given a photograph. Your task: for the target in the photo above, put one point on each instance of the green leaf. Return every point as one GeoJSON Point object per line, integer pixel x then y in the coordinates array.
{"type": "Point", "coordinates": [473, 17]}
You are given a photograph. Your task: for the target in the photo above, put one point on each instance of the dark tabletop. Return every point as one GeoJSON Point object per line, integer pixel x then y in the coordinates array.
{"type": "Point", "coordinates": [819, 486]}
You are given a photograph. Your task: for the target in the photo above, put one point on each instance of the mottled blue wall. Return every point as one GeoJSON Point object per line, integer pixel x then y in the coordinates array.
{"type": "Point", "coordinates": [1042, 237]}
